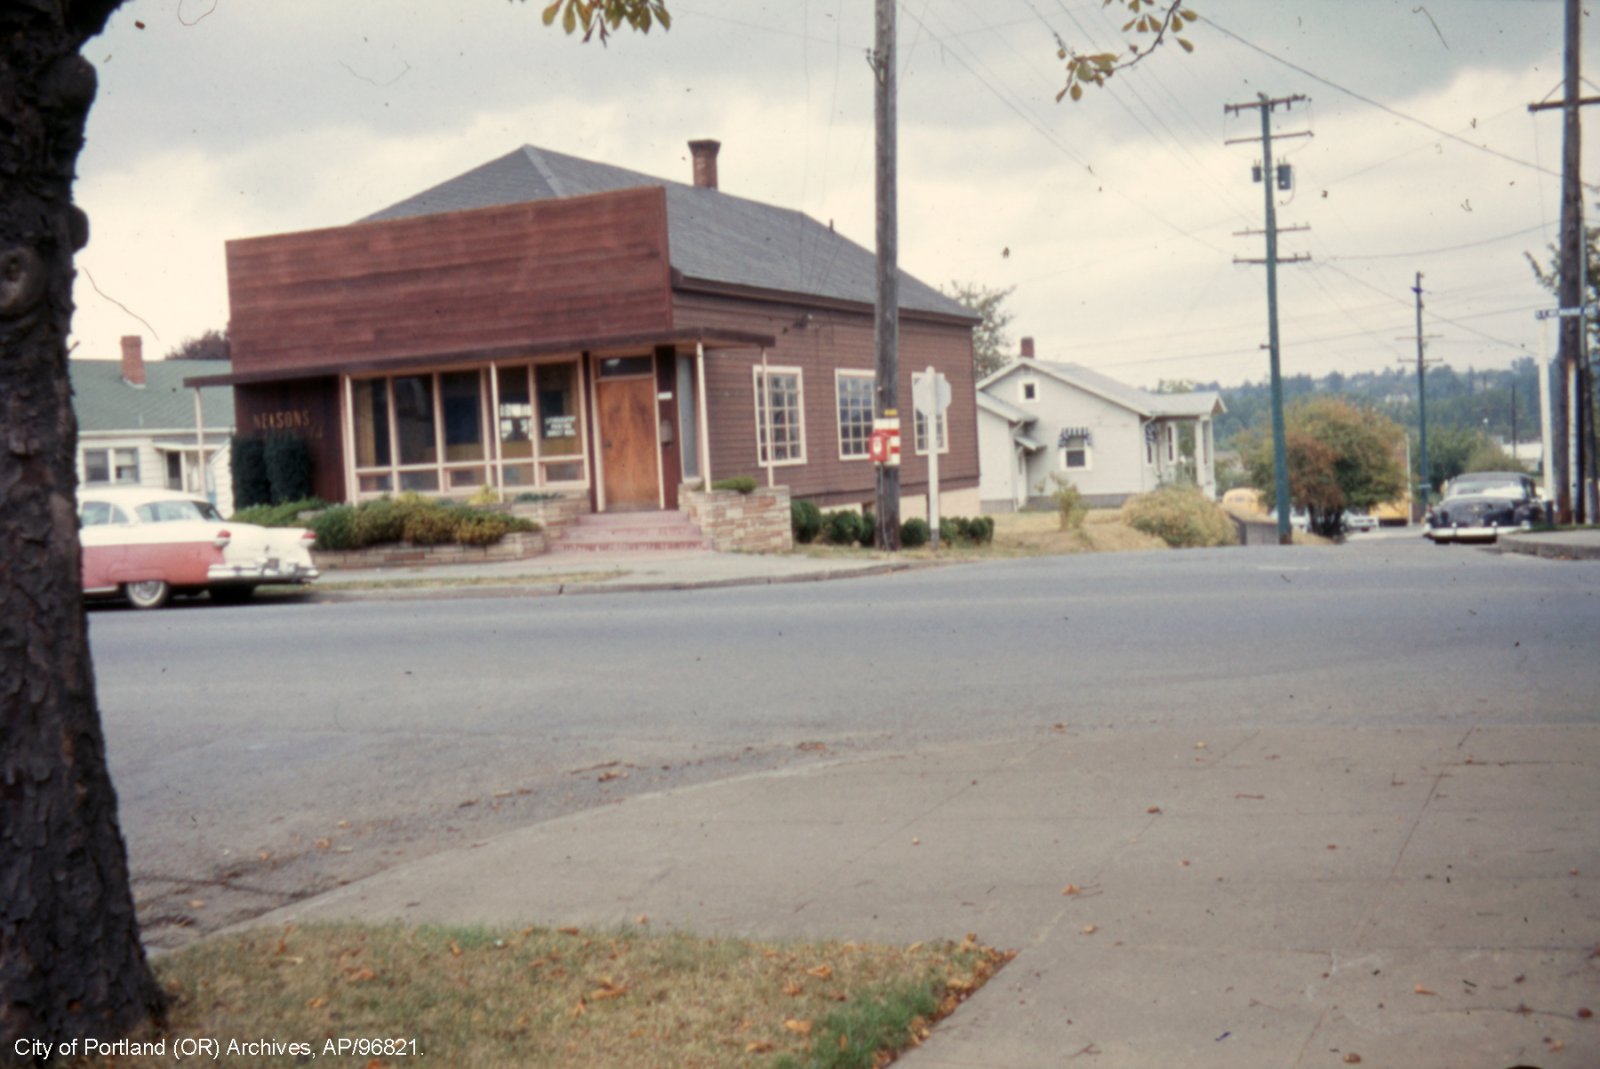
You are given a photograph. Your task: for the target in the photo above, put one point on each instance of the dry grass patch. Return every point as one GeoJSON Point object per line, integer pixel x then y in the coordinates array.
{"type": "Point", "coordinates": [480, 999]}
{"type": "Point", "coordinates": [1020, 534]}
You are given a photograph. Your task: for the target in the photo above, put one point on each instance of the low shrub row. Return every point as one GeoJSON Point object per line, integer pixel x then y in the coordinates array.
{"type": "Point", "coordinates": [408, 518]}
{"type": "Point", "coordinates": [847, 527]}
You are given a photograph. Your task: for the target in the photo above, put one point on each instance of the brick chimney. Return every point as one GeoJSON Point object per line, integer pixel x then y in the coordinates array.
{"type": "Point", "coordinates": [1027, 348]}
{"type": "Point", "coordinates": [705, 163]}
{"type": "Point", "coordinates": [133, 360]}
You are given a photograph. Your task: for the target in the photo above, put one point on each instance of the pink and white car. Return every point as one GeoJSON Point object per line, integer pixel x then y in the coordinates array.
{"type": "Point", "coordinates": [147, 545]}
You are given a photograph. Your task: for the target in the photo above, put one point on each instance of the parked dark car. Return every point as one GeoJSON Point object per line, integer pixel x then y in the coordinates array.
{"type": "Point", "coordinates": [1478, 506]}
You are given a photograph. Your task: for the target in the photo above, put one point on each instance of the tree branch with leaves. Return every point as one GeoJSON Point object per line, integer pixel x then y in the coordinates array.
{"type": "Point", "coordinates": [603, 16]}
{"type": "Point", "coordinates": [1149, 18]}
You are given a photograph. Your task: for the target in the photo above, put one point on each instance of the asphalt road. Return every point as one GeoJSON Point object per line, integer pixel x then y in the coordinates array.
{"type": "Point", "coordinates": [270, 751]}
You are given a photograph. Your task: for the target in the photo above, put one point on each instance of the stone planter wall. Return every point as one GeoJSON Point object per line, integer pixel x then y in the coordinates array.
{"type": "Point", "coordinates": [757, 522]}
{"type": "Point", "coordinates": [519, 545]}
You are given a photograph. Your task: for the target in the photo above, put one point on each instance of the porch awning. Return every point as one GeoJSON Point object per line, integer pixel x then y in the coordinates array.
{"type": "Point", "coordinates": [1027, 443]}
{"type": "Point", "coordinates": [608, 344]}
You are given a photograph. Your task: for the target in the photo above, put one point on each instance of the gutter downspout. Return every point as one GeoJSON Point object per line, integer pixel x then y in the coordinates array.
{"type": "Point", "coordinates": [200, 446]}
{"type": "Point", "coordinates": [766, 413]}
{"type": "Point", "coordinates": [701, 417]}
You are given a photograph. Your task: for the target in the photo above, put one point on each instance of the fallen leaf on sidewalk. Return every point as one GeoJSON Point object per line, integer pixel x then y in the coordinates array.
{"type": "Point", "coordinates": [1089, 929]}
{"type": "Point", "coordinates": [1071, 889]}
{"type": "Point", "coordinates": [1153, 809]}
{"type": "Point", "coordinates": [1352, 1058]}
{"type": "Point", "coordinates": [1419, 989]}
{"type": "Point", "coordinates": [1252, 797]}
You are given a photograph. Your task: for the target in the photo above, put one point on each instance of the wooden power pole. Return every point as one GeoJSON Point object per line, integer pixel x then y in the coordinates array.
{"type": "Point", "coordinates": [1574, 412]}
{"type": "Point", "coordinates": [1271, 177]}
{"type": "Point", "coordinates": [886, 402]}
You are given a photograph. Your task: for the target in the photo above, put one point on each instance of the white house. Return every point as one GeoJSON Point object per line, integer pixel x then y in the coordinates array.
{"type": "Point", "coordinates": [1037, 418]}
{"type": "Point", "coordinates": [139, 426]}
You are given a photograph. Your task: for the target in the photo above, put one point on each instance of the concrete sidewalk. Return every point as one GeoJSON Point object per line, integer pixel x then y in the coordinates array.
{"type": "Point", "coordinates": [1274, 897]}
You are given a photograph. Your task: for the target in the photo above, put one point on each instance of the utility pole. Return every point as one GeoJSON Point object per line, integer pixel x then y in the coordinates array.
{"type": "Point", "coordinates": [1268, 177]}
{"type": "Point", "coordinates": [1424, 484]}
{"type": "Point", "coordinates": [1574, 409]}
{"type": "Point", "coordinates": [886, 402]}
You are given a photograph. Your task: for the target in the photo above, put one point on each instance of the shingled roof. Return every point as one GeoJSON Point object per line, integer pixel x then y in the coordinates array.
{"type": "Point", "coordinates": [713, 236]}
{"type": "Point", "coordinates": [105, 404]}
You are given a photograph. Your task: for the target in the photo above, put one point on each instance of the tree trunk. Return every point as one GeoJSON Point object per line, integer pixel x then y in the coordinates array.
{"type": "Point", "coordinates": [71, 963]}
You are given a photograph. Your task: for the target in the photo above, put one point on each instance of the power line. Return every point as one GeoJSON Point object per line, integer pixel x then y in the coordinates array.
{"type": "Point", "coordinates": [1381, 106]}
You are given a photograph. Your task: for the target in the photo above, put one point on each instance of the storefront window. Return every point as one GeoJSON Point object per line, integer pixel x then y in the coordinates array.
{"type": "Point", "coordinates": [413, 420]}
{"type": "Point", "coordinates": [558, 415]}
{"type": "Point", "coordinates": [372, 423]}
{"type": "Point", "coordinates": [432, 432]}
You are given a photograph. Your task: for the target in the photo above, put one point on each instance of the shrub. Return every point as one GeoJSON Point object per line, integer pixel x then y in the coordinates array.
{"type": "Point", "coordinates": [250, 483]}
{"type": "Point", "coordinates": [1069, 502]}
{"type": "Point", "coordinates": [806, 519]}
{"type": "Point", "coordinates": [1181, 516]}
{"type": "Point", "coordinates": [949, 533]}
{"type": "Point", "coordinates": [480, 529]}
{"type": "Point", "coordinates": [841, 528]}
{"type": "Point", "coordinates": [742, 483]}
{"type": "Point", "coordinates": [284, 515]}
{"type": "Point", "coordinates": [486, 495]}
{"type": "Point", "coordinates": [869, 528]}
{"type": "Point", "coordinates": [914, 533]}
{"type": "Point", "coordinates": [288, 463]}
{"type": "Point", "coordinates": [377, 522]}
{"type": "Point", "coordinates": [334, 528]}
{"type": "Point", "coordinates": [431, 525]}
{"type": "Point", "coordinates": [978, 530]}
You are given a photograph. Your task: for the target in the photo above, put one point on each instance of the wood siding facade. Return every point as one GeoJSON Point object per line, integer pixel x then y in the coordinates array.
{"type": "Point", "coordinates": [321, 318]}
{"type": "Point", "coordinates": [819, 341]}
{"type": "Point", "coordinates": [371, 295]}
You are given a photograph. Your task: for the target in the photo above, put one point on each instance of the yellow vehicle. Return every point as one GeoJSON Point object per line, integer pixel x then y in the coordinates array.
{"type": "Point", "coordinates": [1244, 499]}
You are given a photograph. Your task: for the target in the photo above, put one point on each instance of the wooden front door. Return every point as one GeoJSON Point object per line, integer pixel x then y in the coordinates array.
{"type": "Point", "coordinates": [628, 451]}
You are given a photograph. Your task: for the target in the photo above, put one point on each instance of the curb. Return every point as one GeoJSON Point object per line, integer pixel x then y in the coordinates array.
{"type": "Point", "coordinates": [1547, 547]}
{"type": "Point", "coordinates": [448, 591]}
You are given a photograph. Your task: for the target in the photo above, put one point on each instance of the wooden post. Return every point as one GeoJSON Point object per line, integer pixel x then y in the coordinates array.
{"type": "Point", "coordinates": [887, 329]}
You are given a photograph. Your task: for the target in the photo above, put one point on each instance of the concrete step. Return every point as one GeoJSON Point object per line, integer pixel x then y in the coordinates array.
{"type": "Point", "coordinates": [630, 532]}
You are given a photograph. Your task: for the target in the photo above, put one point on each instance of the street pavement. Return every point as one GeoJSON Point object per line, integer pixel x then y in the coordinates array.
{"type": "Point", "coordinates": [1284, 896]}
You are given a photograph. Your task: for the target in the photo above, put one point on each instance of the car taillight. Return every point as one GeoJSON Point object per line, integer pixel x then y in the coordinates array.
{"type": "Point", "coordinates": [308, 537]}
{"type": "Point", "coordinates": [221, 539]}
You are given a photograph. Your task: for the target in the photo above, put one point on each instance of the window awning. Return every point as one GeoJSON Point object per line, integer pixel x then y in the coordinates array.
{"type": "Point", "coordinates": [1071, 434]}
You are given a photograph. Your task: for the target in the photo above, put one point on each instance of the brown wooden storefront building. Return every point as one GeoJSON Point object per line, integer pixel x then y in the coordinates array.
{"type": "Point", "coordinates": [549, 324]}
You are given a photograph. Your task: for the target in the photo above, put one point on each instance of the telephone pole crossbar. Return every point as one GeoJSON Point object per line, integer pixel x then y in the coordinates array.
{"type": "Point", "coordinates": [1280, 462]}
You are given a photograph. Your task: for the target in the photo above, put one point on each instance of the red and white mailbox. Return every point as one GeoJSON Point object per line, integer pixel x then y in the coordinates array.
{"type": "Point", "coordinates": [883, 447]}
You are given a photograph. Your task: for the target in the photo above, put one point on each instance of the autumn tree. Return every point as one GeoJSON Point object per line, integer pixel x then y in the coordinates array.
{"type": "Point", "coordinates": [991, 345]}
{"type": "Point", "coordinates": [1340, 457]}
{"type": "Point", "coordinates": [71, 963]}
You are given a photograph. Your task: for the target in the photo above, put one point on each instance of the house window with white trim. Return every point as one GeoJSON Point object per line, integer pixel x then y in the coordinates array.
{"type": "Point", "coordinates": [111, 465]}
{"type": "Point", "coordinates": [1028, 391]}
{"type": "Point", "coordinates": [780, 415]}
{"type": "Point", "coordinates": [920, 424]}
{"type": "Point", "coordinates": [1076, 449]}
{"type": "Point", "coordinates": [854, 390]}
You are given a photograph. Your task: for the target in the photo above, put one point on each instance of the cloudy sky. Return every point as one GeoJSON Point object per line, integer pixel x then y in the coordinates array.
{"type": "Point", "coordinates": [1116, 219]}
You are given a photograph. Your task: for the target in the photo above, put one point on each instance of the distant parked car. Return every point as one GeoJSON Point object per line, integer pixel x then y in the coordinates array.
{"type": "Point", "coordinates": [1362, 520]}
{"type": "Point", "coordinates": [1478, 506]}
{"type": "Point", "coordinates": [148, 545]}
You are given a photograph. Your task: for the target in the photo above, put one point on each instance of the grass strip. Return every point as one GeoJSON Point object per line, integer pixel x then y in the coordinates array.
{"type": "Point", "coordinates": [490, 999]}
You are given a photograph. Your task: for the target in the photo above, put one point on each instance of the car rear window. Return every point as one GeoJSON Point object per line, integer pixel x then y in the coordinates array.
{"type": "Point", "coordinates": [176, 511]}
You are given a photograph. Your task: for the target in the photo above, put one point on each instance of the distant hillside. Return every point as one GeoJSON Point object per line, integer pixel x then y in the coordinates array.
{"type": "Point", "coordinates": [1457, 400]}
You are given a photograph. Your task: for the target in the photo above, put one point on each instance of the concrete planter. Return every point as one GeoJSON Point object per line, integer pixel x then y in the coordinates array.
{"type": "Point", "coordinates": [519, 545]}
{"type": "Point", "coordinates": [757, 522]}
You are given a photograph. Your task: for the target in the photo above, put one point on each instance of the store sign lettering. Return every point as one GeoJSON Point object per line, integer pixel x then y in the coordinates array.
{"type": "Point", "coordinates": [294, 419]}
